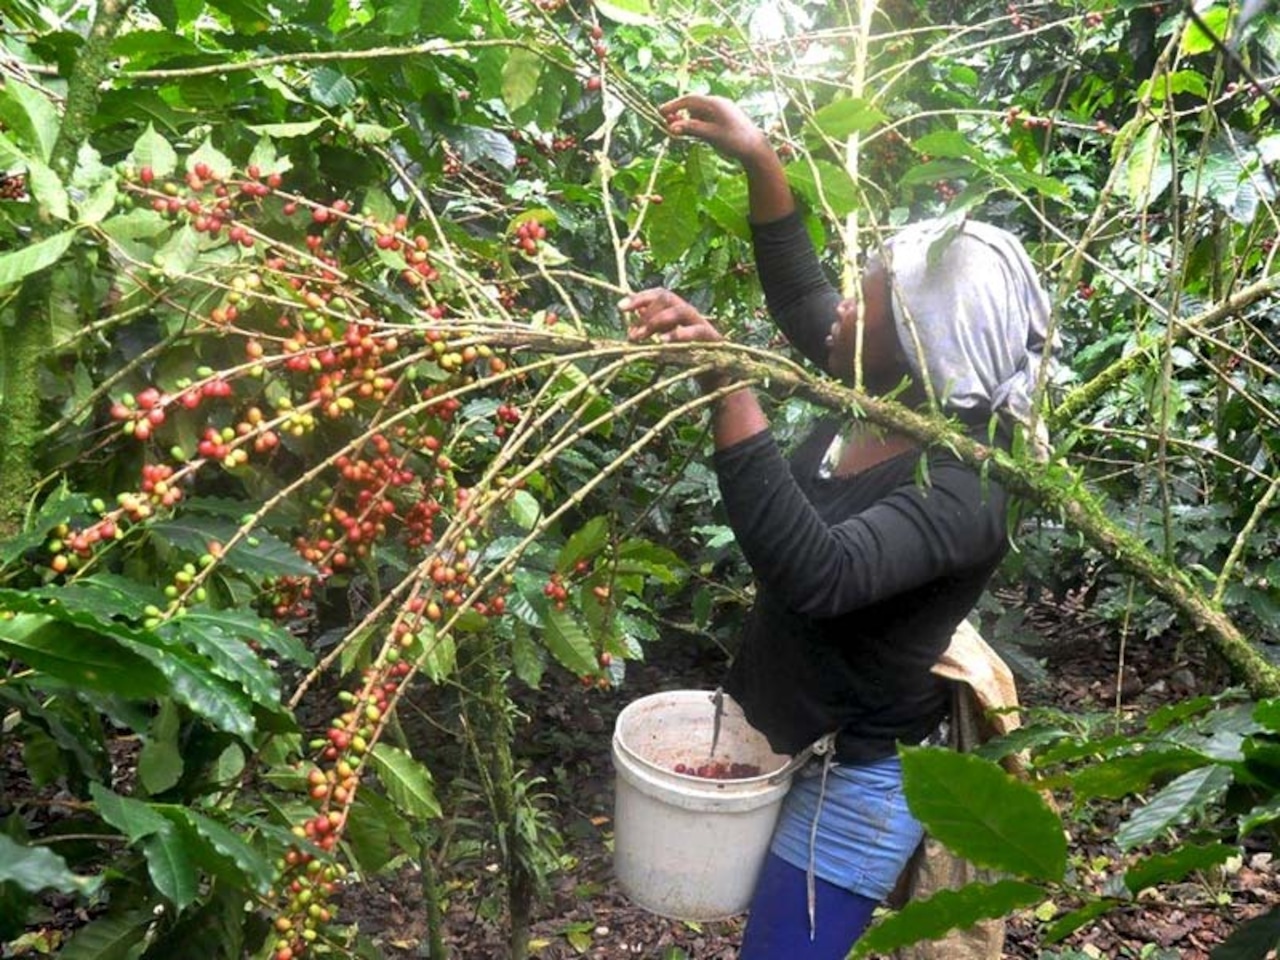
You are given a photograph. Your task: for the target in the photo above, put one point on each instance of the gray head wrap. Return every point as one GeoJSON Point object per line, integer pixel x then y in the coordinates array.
{"type": "Point", "coordinates": [972, 316]}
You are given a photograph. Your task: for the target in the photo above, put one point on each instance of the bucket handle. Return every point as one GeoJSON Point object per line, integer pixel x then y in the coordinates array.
{"type": "Point", "coordinates": [824, 745]}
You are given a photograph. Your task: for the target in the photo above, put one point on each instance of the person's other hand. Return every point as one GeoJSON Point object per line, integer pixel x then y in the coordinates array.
{"type": "Point", "coordinates": [719, 122]}
{"type": "Point", "coordinates": [671, 318]}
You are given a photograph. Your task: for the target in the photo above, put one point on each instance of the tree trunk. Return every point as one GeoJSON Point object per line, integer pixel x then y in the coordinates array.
{"type": "Point", "coordinates": [28, 342]}
{"type": "Point", "coordinates": [492, 735]}
{"type": "Point", "coordinates": [435, 948]}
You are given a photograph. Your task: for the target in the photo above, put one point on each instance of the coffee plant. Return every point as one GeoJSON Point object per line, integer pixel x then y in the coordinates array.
{"type": "Point", "coordinates": [318, 409]}
{"type": "Point", "coordinates": [364, 405]}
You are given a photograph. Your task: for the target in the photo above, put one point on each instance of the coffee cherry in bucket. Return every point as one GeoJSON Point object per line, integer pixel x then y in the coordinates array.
{"type": "Point", "coordinates": [718, 770]}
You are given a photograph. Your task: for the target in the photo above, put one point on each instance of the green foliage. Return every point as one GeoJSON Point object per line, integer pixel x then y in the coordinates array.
{"type": "Point", "coordinates": [946, 910]}
{"type": "Point", "coordinates": [36, 869]}
{"type": "Point", "coordinates": [1179, 801]}
{"type": "Point", "coordinates": [983, 814]}
{"type": "Point", "coordinates": [19, 264]}
{"type": "Point", "coordinates": [1173, 866]}
{"type": "Point", "coordinates": [108, 938]}
{"type": "Point", "coordinates": [407, 782]}
{"type": "Point", "coordinates": [1253, 938]}
{"type": "Point", "coordinates": [1198, 766]}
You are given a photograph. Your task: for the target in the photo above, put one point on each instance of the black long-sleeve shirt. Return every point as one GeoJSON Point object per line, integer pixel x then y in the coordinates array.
{"type": "Point", "coordinates": [860, 580]}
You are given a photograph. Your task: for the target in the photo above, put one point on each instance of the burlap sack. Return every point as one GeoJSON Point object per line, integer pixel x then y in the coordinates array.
{"type": "Point", "coordinates": [982, 682]}
{"type": "Point", "coordinates": [991, 696]}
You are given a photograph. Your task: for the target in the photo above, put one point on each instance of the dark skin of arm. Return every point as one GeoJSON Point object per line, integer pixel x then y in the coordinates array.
{"type": "Point", "coordinates": [720, 123]}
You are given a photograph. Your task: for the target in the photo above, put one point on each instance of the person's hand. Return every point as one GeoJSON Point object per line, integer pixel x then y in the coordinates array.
{"type": "Point", "coordinates": [719, 122]}
{"type": "Point", "coordinates": [673, 319]}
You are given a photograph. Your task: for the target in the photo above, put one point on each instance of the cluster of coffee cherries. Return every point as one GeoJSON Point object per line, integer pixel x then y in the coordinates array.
{"type": "Point", "coordinates": [310, 884]}
{"type": "Point", "coordinates": [69, 548]}
{"type": "Point", "coordinates": [358, 510]}
{"type": "Point", "coordinates": [602, 679]}
{"type": "Point", "coordinates": [13, 186]}
{"type": "Point", "coordinates": [555, 590]}
{"type": "Point", "coordinates": [598, 46]}
{"type": "Point", "coordinates": [309, 875]}
{"type": "Point", "coordinates": [507, 415]}
{"type": "Point", "coordinates": [1020, 22]}
{"type": "Point", "coordinates": [529, 236]}
{"type": "Point", "coordinates": [1015, 117]}
{"type": "Point", "coordinates": [723, 56]}
{"type": "Point", "coordinates": [142, 414]}
{"type": "Point", "coordinates": [208, 199]}
{"type": "Point", "coordinates": [291, 597]}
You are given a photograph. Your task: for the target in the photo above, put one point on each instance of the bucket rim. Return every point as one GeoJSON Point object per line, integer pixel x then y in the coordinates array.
{"type": "Point", "coordinates": [764, 778]}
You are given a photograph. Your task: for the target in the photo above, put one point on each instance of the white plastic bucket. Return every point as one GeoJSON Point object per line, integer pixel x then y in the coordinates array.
{"type": "Point", "coordinates": [687, 847]}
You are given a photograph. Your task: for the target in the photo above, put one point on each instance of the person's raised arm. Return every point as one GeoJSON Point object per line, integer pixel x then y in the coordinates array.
{"type": "Point", "coordinates": [721, 123]}
{"type": "Point", "coordinates": [801, 297]}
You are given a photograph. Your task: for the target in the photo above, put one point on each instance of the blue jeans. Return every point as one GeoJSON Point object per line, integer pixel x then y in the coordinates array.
{"type": "Point", "coordinates": [865, 832]}
{"type": "Point", "coordinates": [778, 925]}
{"type": "Point", "coordinates": [858, 834]}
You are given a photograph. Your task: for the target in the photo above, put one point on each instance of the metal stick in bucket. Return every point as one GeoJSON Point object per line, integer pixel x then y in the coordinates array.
{"type": "Point", "coordinates": [717, 699]}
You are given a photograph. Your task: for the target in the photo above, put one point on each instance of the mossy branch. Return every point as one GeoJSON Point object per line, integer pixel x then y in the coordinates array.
{"type": "Point", "coordinates": [1087, 394]}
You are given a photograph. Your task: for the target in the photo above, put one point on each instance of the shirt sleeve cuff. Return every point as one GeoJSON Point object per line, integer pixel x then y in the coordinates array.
{"type": "Point", "coordinates": [782, 227]}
